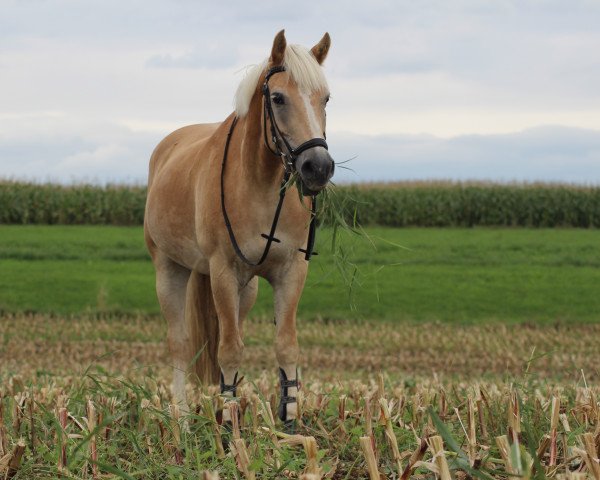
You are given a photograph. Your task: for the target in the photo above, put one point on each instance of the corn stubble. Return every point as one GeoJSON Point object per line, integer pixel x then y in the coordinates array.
{"type": "Point", "coordinates": [101, 426]}
{"type": "Point", "coordinates": [69, 410]}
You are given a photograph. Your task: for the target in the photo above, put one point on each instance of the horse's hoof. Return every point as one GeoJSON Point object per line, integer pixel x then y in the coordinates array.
{"type": "Point", "coordinates": [226, 434]}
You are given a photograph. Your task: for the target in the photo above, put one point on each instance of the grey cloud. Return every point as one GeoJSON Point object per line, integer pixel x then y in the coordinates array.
{"type": "Point", "coordinates": [117, 154]}
{"type": "Point", "coordinates": [510, 57]}
{"type": "Point", "coordinates": [544, 153]}
{"type": "Point", "coordinates": [90, 152]}
{"type": "Point", "coordinates": [207, 57]}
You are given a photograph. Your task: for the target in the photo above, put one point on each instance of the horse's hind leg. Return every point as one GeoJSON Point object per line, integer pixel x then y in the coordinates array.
{"type": "Point", "coordinates": [171, 285]}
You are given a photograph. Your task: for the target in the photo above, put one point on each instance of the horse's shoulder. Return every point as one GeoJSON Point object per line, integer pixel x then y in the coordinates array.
{"type": "Point", "coordinates": [181, 141]}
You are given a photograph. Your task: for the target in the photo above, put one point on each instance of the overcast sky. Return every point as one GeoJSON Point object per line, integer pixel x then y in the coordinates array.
{"type": "Point", "coordinates": [454, 89]}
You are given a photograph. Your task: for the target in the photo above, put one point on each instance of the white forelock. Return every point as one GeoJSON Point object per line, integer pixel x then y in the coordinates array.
{"type": "Point", "coordinates": [298, 61]}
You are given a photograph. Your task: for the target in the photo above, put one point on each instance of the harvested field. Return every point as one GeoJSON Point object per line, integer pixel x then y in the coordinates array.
{"type": "Point", "coordinates": [89, 398]}
{"type": "Point", "coordinates": [33, 344]}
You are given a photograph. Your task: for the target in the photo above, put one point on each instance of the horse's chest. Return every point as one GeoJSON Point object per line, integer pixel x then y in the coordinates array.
{"type": "Point", "coordinates": [283, 255]}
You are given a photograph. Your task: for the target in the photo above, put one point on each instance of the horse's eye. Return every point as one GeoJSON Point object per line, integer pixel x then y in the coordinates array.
{"type": "Point", "coordinates": [278, 99]}
{"type": "Point", "coordinates": [326, 100]}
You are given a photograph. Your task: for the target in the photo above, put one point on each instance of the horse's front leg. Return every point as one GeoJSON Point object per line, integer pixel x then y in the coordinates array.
{"type": "Point", "coordinates": [226, 293]}
{"type": "Point", "coordinates": [287, 289]}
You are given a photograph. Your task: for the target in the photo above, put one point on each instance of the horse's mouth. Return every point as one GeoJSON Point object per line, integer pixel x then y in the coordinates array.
{"type": "Point", "coordinates": [312, 190]}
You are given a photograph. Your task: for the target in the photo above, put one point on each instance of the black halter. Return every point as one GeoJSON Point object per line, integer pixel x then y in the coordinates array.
{"type": "Point", "coordinates": [289, 157]}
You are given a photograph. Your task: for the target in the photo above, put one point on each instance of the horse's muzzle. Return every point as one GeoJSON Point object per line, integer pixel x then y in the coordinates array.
{"type": "Point", "coordinates": [315, 167]}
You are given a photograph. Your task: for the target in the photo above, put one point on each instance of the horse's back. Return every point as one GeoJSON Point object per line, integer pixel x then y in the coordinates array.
{"type": "Point", "coordinates": [181, 139]}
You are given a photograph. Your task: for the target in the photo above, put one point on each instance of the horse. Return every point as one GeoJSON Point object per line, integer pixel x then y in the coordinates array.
{"type": "Point", "coordinates": [213, 191]}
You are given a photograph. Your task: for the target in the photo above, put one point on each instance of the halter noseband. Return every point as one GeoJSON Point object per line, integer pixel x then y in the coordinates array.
{"type": "Point", "coordinates": [289, 158]}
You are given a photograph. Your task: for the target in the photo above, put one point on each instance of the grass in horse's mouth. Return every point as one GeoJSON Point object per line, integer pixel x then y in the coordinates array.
{"type": "Point", "coordinates": [332, 211]}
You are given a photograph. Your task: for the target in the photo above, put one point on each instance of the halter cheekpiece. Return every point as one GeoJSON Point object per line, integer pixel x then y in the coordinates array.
{"type": "Point", "coordinates": [289, 156]}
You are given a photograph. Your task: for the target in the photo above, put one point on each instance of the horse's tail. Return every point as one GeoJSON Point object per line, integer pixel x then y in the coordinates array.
{"type": "Point", "coordinates": [203, 323]}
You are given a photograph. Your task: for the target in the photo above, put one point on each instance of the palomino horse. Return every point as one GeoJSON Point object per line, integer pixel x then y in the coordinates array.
{"type": "Point", "coordinates": [213, 192]}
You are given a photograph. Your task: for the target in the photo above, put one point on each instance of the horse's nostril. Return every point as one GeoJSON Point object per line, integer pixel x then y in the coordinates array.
{"type": "Point", "coordinates": [309, 168]}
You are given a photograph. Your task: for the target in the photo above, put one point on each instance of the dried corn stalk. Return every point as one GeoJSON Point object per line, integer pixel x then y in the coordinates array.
{"type": "Point", "coordinates": [367, 448]}
{"type": "Point", "coordinates": [62, 434]}
{"type": "Point", "coordinates": [437, 449]}
{"type": "Point", "coordinates": [554, 417]}
{"type": "Point", "coordinates": [415, 458]}
{"type": "Point", "coordinates": [240, 452]}
{"type": "Point", "coordinates": [514, 416]}
{"type": "Point", "coordinates": [91, 425]}
{"type": "Point", "coordinates": [471, 430]}
{"type": "Point", "coordinates": [512, 467]}
{"type": "Point", "coordinates": [591, 460]}
{"type": "Point", "coordinates": [10, 462]}
{"type": "Point", "coordinates": [389, 433]}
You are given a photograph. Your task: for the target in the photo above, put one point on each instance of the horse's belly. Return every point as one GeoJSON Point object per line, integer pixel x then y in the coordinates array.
{"type": "Point", "coordinates": [184, 251]}
{"type": "Point", "coordinates": [173, 234]}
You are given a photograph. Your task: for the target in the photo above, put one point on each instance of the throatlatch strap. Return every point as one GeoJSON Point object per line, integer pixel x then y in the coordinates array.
{"type": "Point", "coordinates": [285, 398]}
{"type": "Point", "coordinates": [310, 244]}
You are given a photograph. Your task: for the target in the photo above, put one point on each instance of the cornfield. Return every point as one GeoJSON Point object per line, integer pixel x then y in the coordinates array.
{"type": "Point", "coordinates": [50, 204]}
{"type": "Point", "coordinates": [475, 204]}
{"type": "Point", "coordinates": [426, 204]}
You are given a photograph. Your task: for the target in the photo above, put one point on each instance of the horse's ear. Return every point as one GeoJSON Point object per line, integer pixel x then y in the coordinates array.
{"type": "Point", "coordinates": [320, 49]}
{"type": "Point", "coordinates": [278, 50]}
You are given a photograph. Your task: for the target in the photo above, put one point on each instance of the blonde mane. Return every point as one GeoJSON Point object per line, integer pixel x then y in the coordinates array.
{"type": "Point", "coordinates": [298, 61]}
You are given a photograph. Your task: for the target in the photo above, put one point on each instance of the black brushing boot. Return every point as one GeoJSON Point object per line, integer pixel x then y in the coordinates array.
{"type": "Point", "coordinates": [229, 388]}
{"type": "Point", "coordinates": [289, 426]}
{"type": "Point", "coordinates": [227, 426]}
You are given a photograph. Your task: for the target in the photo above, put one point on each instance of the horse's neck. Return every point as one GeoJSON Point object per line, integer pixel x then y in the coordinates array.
{"type": "Point", "coordinates": [260, 167]}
